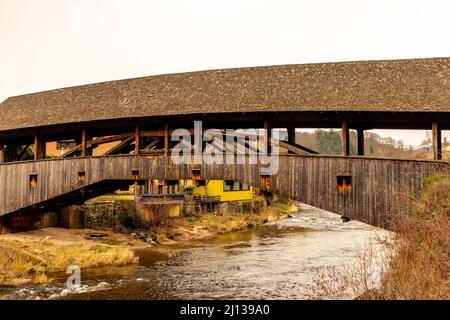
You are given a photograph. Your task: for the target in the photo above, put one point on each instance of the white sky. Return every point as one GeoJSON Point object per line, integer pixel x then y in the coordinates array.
{"type": "Point", "coordinates": [49, 44]}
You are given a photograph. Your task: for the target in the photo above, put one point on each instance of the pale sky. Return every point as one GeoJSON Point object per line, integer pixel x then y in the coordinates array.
{"type": "Point", "coordinates": [48, 44]}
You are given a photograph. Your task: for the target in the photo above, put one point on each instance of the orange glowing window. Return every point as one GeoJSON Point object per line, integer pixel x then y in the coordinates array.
{"type": "Point", "coordinates": [344, 183]}
{"type": "Point", "coordinates": [196, 174]}
{"type": "Point", "coordinates": [33, 180]}
{"type": "Point", "coordinates": [81, 176]}
{"type": "Point", "coordinates": [135, 174]}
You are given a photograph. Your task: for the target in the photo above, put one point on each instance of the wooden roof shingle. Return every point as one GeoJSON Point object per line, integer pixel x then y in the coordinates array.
{"type": "Point", "coordinates": [414, 85]}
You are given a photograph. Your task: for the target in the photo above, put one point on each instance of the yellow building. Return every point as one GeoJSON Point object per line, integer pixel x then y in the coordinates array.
{"type": "Point", "coordinates": [223, 190]}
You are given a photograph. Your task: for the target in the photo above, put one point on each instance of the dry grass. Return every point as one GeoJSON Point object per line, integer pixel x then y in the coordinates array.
{"type": "Point", "coordinates": [230, 222]}
{"type": "Point", "coordinates": [157, 216]}
{"type": "Point", "coordinates": [416, 264]}
{"type": "Point", "coordinates": [197, 226]}
{"type": "Point", "coordinates": [33, 261]}
{"type": "Point", "coordinates": [207, 225]}
{"type": "Point", "coordinates": [420, 269]}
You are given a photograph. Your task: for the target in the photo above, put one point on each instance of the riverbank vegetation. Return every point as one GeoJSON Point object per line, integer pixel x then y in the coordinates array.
{"type": "Point", "coordinates": [198, 226]}
{"type": "Point", "coordinates": [33, 261]}
{"type": "Point", "coordinates": [33, 257]}
{"type": "Point", "coordinates": [415, 265]}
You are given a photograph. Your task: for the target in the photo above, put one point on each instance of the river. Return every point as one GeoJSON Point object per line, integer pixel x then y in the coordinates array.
{"type": "Point", "coordinates": [277, 260]}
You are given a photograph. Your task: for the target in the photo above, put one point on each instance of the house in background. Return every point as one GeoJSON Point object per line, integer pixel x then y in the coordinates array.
{"type": "Point", "coordinates": [221, 190]}
{"type": "Point", "coordinates": [207, 196]}
{"type": "Point", "coordinates": [201, 190]}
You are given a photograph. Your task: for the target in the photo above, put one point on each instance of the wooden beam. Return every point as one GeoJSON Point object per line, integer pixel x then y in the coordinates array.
{"type": "Point", "coordinates": [291, 135]}
{"type": "Point", "coordinates": [120, 146]}
{"type": "Point", "coordinates": [360, 134]}
{"type": "Point", "coordinates": [151, 145]}
{"type": "Point", "coordinates": [152, 152]}
{"type": "Point", "coordinates": [186, 144]}
{"type": "Point", "coordinates": [166, 139]}
{"type": "Point", "coordinates": [137, 140]}
{"type": "Point", "coordinates": [39, 146]}
{"type": "Point", "coordinates": [345, 138]}
{"type": "Point", "coordinates": [85, 139]}
{"type": "Point", "coordinates": [244, 144]}
{"type": "Point", "coordinates": [70, 152]}
{"type": "Point", "coordinates": [217, 147]}
{"type": "Point", "coordinates": [22, 153]}
{"type": "Point", "coordinates": [296, 148]}
{"type": "Point", "coordinates": [267, 136]}
{"type": "Point", "coordinates": [152, 134]}
{"type": "Point", "coordinates": [437, 140]}
{"type": "Point", "coordinates": [198, 142]}
{"type": "Point", "coordinates": [94, 143]}
{"type": "Point", "coordinates": [2, 153]}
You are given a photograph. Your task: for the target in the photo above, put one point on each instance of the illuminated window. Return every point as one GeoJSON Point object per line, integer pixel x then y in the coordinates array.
{"type": "Point", "coordinates": [33, 180]}
{"type": "Point", "coordinates": [195, 174]}
{"type": "Point", "coordinates": [81, 176]}
{"type": "Point", "coordinates": [344, 183]}
{"type": "Point", "coordinates": [135, 174]}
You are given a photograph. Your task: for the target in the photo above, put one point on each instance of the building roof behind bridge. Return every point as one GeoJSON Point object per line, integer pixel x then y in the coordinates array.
{"type": "Point", "coordinates": [414, 85]}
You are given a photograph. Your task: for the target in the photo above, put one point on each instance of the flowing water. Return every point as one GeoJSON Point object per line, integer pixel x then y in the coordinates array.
{"type": "Point", "coordinates": [278, 260]}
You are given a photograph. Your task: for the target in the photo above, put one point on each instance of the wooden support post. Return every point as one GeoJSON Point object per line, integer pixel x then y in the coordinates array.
{"type": "Point", "coordinates": [151, 187]}
{"type": "Point", "coordinates": [163, 188]}
{"type": "Point", "coordinates": [291, 135]}
{"type": "Point", "coordinates": [360, 133]}
{"type": "Point", "coordinates": [137, 194]}
{"type": "Point", "coordinates": [85, 138]}
{"type": "Point", "coordinates": [137, 140]}
{"type": "Point", "coordinates": [2, 153]}
{"type": "Point", "coordinates": [437, 141]}
{"type": "Point", "coordinates": [166, 139]}
{"type": "Point", "coordinates": [345, 138]}
{"type": "Point", "coordinates": [39, 146]}
{"type": "Point", "coordinates": [267, 135]}
{"type": "Point", "coordinates": [198, 143]}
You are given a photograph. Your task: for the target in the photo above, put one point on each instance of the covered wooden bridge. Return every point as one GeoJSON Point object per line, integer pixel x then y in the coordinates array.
{"type": "Point", "coordinates": [137, 117]}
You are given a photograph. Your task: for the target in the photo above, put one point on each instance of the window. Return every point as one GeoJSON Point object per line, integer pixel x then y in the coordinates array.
{"type": "Point", "coordinates": [135, 174]}
{"type": "Point", "coordinates": [172, 186]}
{"type": "Point", "coordinates": [200, 183]}
{"type": "Point", "coordinates": [344, 183]}
{"type": "Point", "coordinates": [230, 185]}
{"type": "Point", "coordinates": [33, 180]}
{"type": "Point", "coordinates": [195, 174]}
{"type": "Point", "coordinates": [81, 176]}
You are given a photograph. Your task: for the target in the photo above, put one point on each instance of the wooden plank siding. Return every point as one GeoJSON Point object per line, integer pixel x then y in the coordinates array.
{"type": "Point", "coordinates": [377, 184]}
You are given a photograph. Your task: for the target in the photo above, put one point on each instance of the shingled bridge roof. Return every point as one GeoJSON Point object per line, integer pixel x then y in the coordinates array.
{"type": "Point", "coordinates": [414, 85]}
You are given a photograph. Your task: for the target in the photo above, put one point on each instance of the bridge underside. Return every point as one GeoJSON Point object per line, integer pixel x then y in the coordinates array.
{"type": "Point", "coordinates": [363, 189]}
